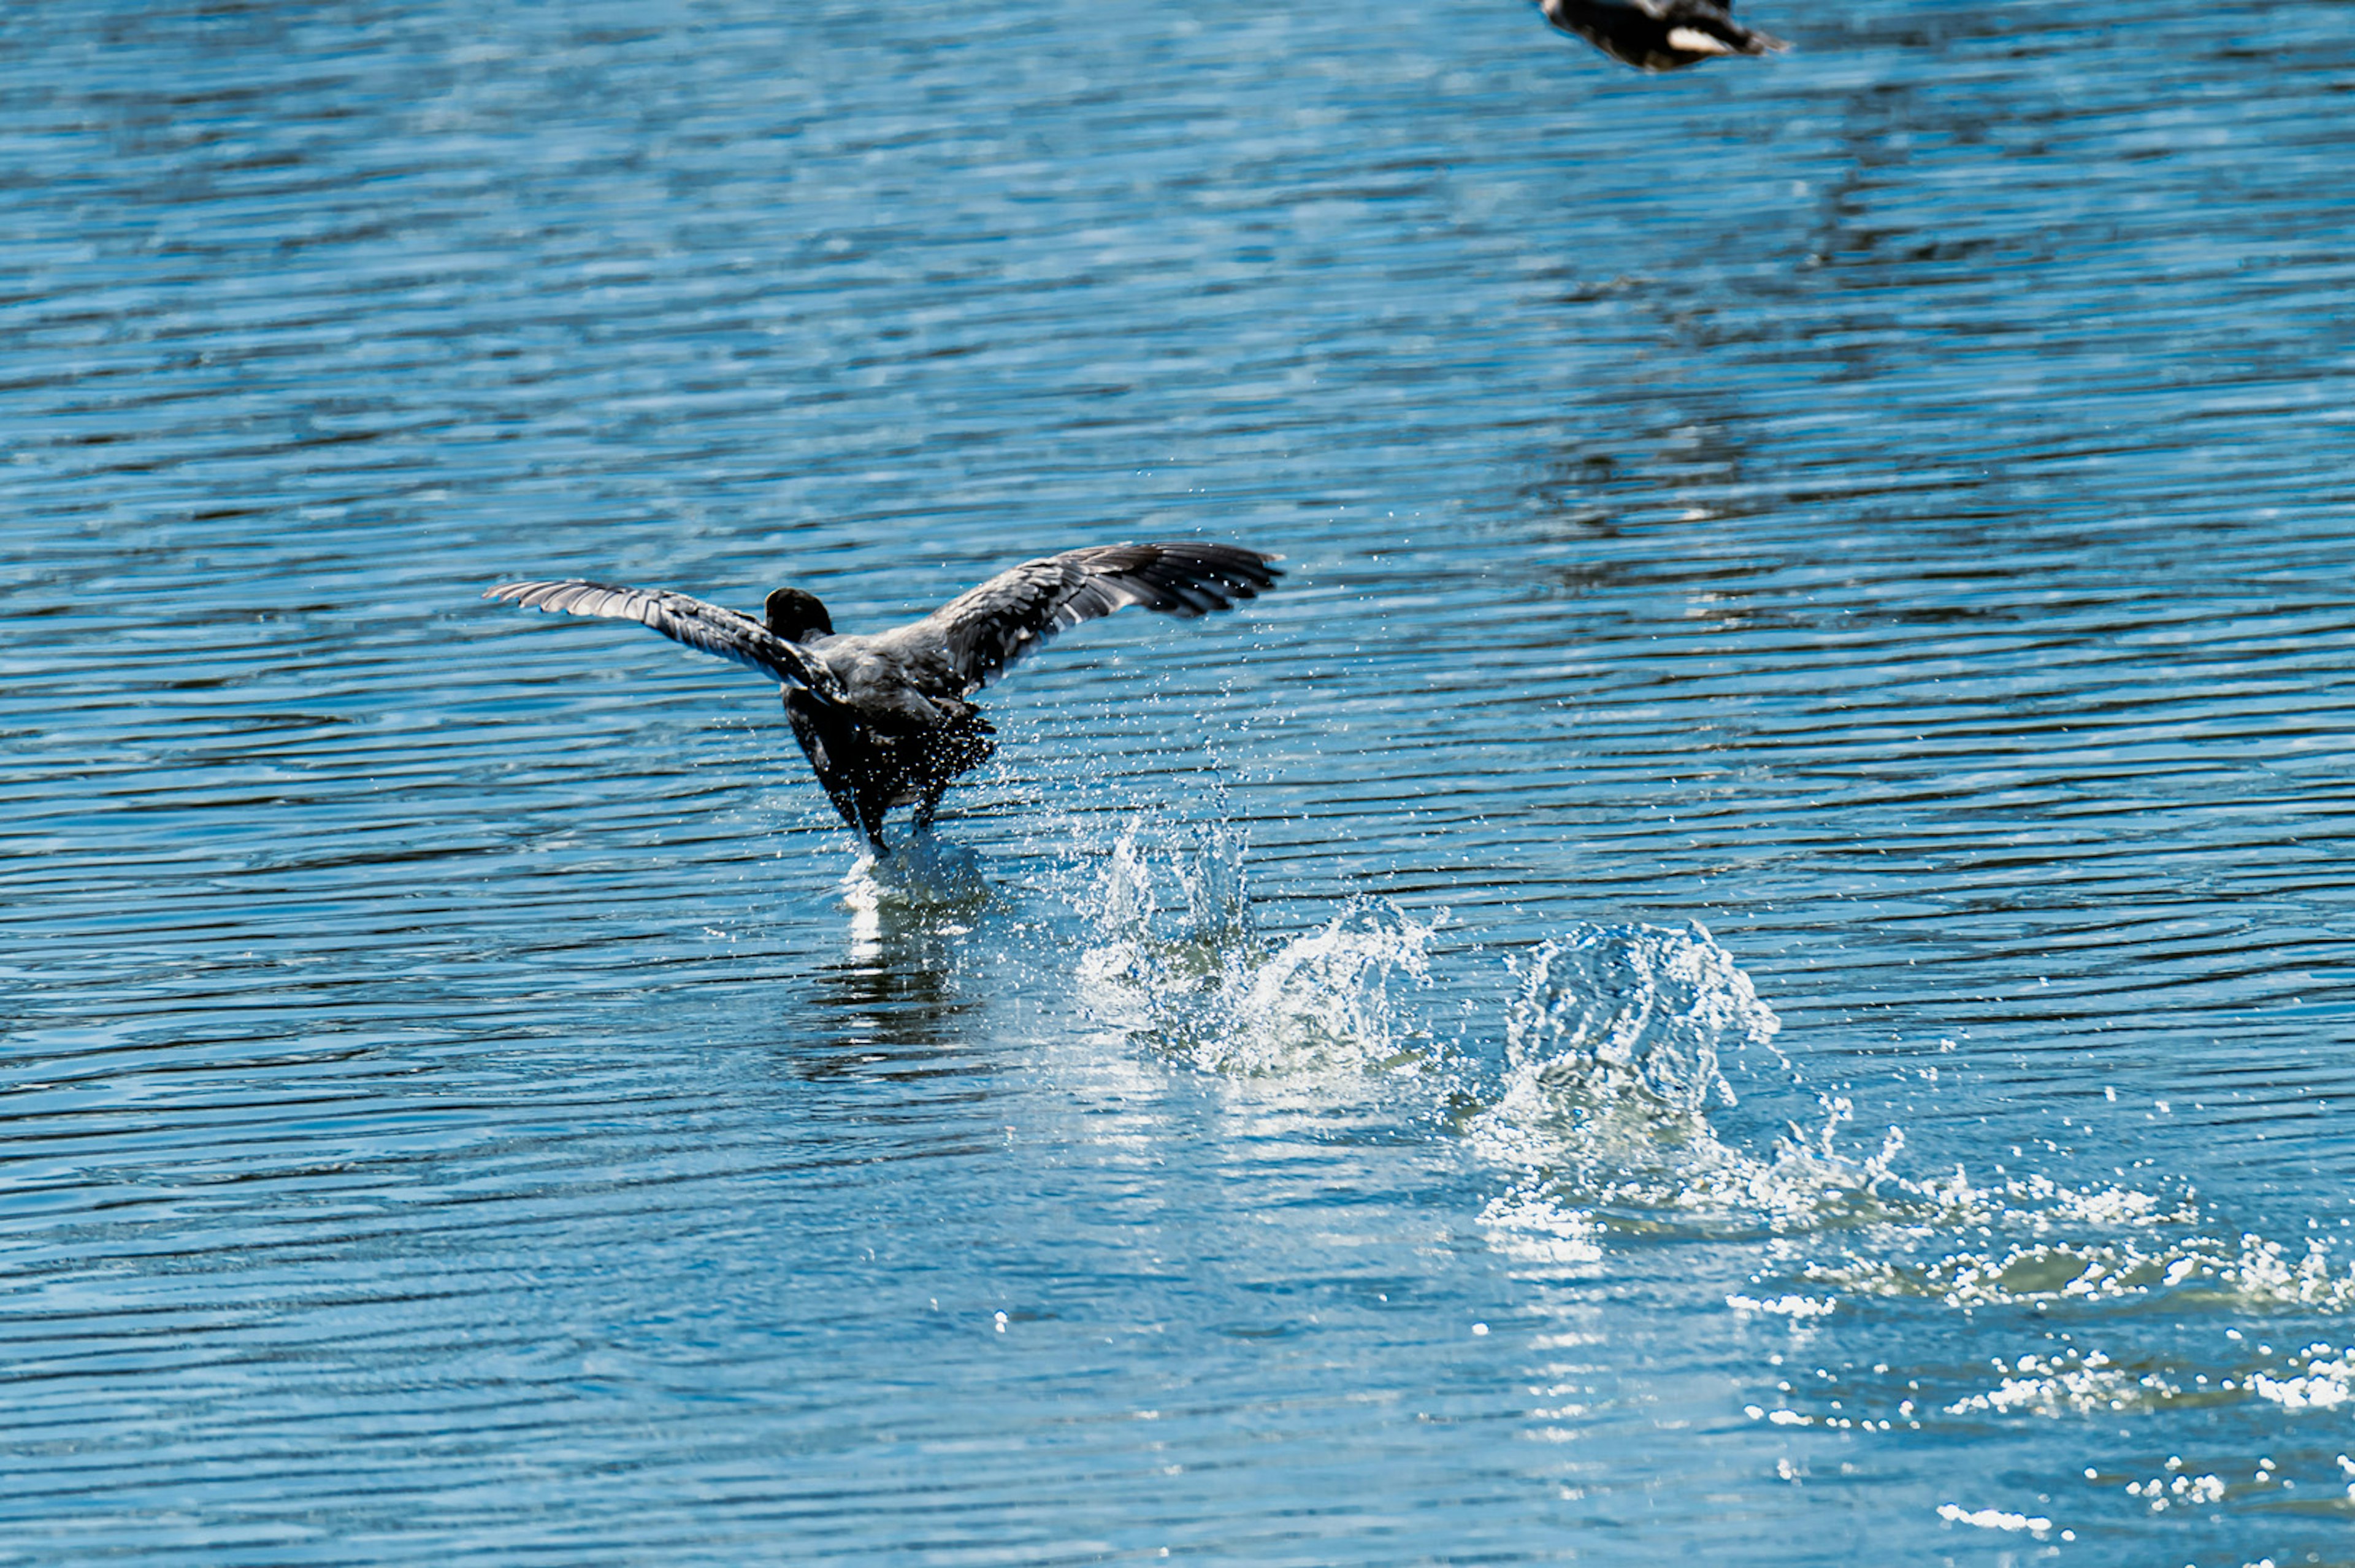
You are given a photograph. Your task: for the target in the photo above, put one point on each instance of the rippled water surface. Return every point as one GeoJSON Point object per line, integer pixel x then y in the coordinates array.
{"type": "Point", "coordinates": [1748, 962]}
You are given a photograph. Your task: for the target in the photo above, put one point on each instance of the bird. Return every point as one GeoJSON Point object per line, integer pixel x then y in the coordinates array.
{"type": "Point", "coordinates": [1659, 35]}
{"type": "Point", "coordinates": [887, 718]}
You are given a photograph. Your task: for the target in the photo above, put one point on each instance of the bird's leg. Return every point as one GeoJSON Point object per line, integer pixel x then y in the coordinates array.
{"type": "Point", "coordinates": [928, 804]}
{"type": "Point", "coordinates": [872, 824]}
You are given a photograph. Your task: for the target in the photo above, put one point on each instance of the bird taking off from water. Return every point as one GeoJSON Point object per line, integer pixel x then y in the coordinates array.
{"type": "Point", "coordinates": [884, 719]}
{"type": "Point", "coordinates": [1659, 35]}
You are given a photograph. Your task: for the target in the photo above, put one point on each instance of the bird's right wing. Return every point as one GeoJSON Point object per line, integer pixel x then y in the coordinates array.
{"type": "Point", "coordinates": [683, 619]}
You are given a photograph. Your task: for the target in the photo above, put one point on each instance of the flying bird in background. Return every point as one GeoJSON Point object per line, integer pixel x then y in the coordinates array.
{"type": "Point", "coordinates": [886, 720]}
{"type": "Point", "coordinates": [1659, 35]}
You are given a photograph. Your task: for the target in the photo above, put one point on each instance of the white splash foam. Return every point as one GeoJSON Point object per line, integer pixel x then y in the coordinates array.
{"type": "Point", "coordinates": [1607, 1011]}
{"type": "Point", "coordinates": [2253, 1273]}
{"type": "Point", "coordinates": [2323, 1381]}
{"type": "Point", "coordinates": [1993, 1518]}
{"type": "Point", "coordinates": [1614, 1053]}
{"type": "Point", "coordinates": [1205, 985]}
{"type": "Point", "coordinates": [2068, 1384]}
{"type": "Point", "coordinates": [1792, 1307]}
{"type": "Point", "coordinates": [923, 870]}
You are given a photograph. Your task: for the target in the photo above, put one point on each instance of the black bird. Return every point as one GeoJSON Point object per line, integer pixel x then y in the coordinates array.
{"type": "Point", "coordinates": [885, 719]}
{"type": "Point", "coordinates": [1659, 35]}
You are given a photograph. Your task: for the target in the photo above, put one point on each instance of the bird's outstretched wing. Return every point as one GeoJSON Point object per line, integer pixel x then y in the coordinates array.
{"type": "Point", "coordinates": [683, 619]}
{"type": "Point", "coordinates": [989, 627]}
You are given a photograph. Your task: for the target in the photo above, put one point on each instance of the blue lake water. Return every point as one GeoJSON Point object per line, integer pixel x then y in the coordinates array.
{"type": "Point", "coordinates": [1749, 961]}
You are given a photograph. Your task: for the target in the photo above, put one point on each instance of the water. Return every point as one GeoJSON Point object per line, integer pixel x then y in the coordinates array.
{"type": "Point", "coordinates": [1748, 960]}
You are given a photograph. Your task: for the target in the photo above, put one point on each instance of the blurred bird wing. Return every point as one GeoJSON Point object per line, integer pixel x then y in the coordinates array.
{"type": "Point", "coordinates": [989, 627]}
{"type": "Point", "coordinates": [682, 619]}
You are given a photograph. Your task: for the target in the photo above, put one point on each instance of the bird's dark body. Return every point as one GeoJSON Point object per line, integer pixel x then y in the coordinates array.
{"type": "Point", "coordinates": [866, 770]}
{"type": "Point", "coordinates": [886, 719]}
{"type": "Point", "coordinates": [1659, 35]}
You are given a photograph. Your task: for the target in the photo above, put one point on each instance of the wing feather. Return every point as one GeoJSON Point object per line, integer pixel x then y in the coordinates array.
{"type": "Point", "coordinates": [988, 627]}
{"type": "Point", "coordinates": [712, 628]}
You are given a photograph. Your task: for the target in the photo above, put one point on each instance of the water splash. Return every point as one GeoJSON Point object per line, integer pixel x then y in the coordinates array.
{"type": "Point", "coordinates": [1613, 1012]}
{"type": "Point", "coordinates": [1616, 1116]}
{"type": "Point", "coordinates": [2250, 1274]}
{"type": "Point", "coordinates": [1615, 1109]}
{"type": "Point", "coordinates": [924, 871]}
{"type": "Point", "coordinates": [2069, 1382]}
{"type": "Point", "coordinates": [1202, 984]}
{"type": "Point", "coordinates": [1615, 1050]}
{"type": "Point", "coordinates": [2318, 1378]}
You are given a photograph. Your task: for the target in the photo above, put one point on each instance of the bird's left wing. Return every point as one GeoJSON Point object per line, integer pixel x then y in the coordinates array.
{"type": "Point", "coordinates": [683, 619]}
{"type": "Point", "coordinates": [988, 627]}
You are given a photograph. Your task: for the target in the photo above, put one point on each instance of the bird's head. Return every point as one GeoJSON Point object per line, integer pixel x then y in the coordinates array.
{"type": "Point", "coordinates": [797, 616]}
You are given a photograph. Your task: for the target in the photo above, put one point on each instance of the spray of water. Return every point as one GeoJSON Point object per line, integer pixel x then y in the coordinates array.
{"type": "Point", "coordinates": [1201, 984]}
{"type": "Point", "coordinates": [1615, 1049]}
